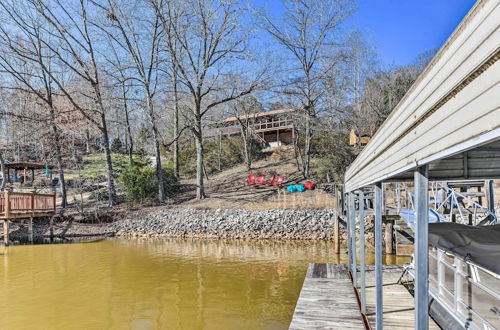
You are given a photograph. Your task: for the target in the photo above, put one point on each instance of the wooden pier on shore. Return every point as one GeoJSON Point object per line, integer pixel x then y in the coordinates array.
{"type": "Point", "coordinates": [328, 300]}
{"type": "Point", "coordinates": [20, 205]}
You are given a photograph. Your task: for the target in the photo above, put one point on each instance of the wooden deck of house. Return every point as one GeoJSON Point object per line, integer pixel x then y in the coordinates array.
{"type": "Point", "coordinates": [328, 300]}
{"type": "Point", "coordinates": [17, 205]}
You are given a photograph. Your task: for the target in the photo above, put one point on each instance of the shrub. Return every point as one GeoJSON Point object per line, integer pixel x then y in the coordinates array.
{"type": "Point", "coordinates": [140, 183]}
{"type": "Point", "coordinates": [117, 146]}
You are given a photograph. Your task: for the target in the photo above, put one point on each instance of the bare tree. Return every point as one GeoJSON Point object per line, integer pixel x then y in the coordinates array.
{"type": "Point", "coordinates": [211, 42]}
{"type": "Point", "coordinates": [125, 85]}
{"type": "Point", "coordinates": [73, 43]}
{"type": "Point", "coordinates": [24, 47]}
{"type": "Point", "coordinates": [307, 33]}
{"type": "Point", "coordinates": [244, 110]}
{"type": "Point", "coordinates": [140, 37]}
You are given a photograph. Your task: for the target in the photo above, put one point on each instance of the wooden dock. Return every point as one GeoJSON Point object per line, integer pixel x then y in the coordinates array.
{"type": "Point", "coordinates": [399, 311]}
{"type": "Point", "coordinates": [328, 300]}
{"type": "Point", "coordinates": [17, 205]}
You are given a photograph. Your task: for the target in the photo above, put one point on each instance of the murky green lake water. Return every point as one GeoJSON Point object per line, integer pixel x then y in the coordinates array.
{"type": "Point", "coordinates": [159, 284]}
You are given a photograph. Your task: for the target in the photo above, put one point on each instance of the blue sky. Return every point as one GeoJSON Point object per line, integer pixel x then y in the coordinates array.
{"type": "Point", "coordinates": [401, 29]}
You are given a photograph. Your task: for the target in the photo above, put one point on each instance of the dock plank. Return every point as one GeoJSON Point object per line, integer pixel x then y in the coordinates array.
{"type": "Point", "coordinates": [399, 312]}
{"type": "Point", "coordinates": [327, 300]}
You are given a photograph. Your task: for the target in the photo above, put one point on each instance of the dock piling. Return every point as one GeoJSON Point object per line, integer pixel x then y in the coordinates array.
{"type": "Point", "coordinates": [6, 232]}
{"type": "Point", "coordinates": [30, 230]}
{"type": "Point", "coordinates": [51, 228]}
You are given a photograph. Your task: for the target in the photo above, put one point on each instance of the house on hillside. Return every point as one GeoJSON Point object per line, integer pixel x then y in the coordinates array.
{"type": "Point", "coordinates": [360, 136]}
{"type": "Point", "coordinates": [271, 128]}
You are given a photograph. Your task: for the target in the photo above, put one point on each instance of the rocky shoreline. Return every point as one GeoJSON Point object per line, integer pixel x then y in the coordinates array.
{"type": "Point", "coordinates": [231, 224]}
{"type": "Point", "coordinates": [188, 223]}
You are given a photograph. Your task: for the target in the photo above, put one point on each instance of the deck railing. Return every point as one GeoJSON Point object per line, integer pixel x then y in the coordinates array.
{"type": "Point", "coordinates": [258, 127]}
{"type": "Point", "coordinates": [15, 204]}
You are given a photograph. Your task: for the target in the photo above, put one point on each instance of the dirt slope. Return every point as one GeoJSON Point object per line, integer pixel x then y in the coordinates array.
{"type": "Point", "coordinates": [227, 189]}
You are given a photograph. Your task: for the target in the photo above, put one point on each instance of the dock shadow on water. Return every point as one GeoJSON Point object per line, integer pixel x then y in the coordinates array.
{"type": "Point", "coordinates": [156, 284]}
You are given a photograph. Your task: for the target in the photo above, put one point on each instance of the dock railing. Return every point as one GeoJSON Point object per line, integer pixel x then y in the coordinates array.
{"type": "Point", "coordinates": [20, 205]}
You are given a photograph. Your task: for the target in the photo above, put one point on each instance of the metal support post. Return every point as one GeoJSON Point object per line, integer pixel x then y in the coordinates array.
{"type": "Point", "coordinates": [353, 240]}
{"type": "Point", "coordinates": [379, 307]}
{"type": "Point", "coordinates": [421, 248]}
{"type": "Point", "coordinates": [362, 249]}
{"type": "Point", "coordinates": [348, 227]}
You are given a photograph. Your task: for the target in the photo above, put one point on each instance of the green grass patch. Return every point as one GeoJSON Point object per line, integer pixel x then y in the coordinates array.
{"type": "Point", "coordinates": [94, 166]}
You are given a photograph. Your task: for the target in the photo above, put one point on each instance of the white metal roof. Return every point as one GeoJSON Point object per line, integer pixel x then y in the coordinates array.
{"type": "Point", "coordinates": [454, 106]}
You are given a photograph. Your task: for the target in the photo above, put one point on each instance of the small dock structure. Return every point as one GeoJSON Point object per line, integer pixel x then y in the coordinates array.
{"type": "Point", "coordinates": [22, 205]}
{"type": "Point", "coordinates": [329, 300]}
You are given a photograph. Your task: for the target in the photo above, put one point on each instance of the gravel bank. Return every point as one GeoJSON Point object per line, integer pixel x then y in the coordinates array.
{"type": "Point", "coordinates": [230, 224]}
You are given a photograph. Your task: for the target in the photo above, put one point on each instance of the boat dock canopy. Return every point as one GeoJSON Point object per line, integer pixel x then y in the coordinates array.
{"type": "Point", "coordinates": [477, 244]}
{"type": "Point", "coordinates": [450, 118]}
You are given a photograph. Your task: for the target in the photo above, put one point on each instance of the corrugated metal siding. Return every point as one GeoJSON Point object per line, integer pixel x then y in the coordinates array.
{"type": "Point", "coordinates": [428, 121]}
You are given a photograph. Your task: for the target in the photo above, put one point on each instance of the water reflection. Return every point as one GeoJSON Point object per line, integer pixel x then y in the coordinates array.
{"type": "Point", "coordinates": [159, 284]}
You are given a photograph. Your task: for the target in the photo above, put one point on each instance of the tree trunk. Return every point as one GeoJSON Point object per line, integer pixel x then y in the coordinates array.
{"type": "Point", "coordinates": [159, 173]}
{"type": "Point", "coordinates": [109, 163]}
{"type": "Point", "coordinates": [200, 187]}
{"type": "Point", "coordinates": [57, 140]}
{"type": "Point", "coordinates": [2, 171]}
{"type": "Point", "coordinates": [219, 153]}
{"type": "Point", "coordinates": [127, 121]}
{"type": "Point", "coordinates": [307, 148]}
{"type": "Point", "coordinates": [176, 123]}
{"type": "Point", "coordinates": [246, 147]}
{"type": "Point", "coordinates": [156, 136]}
{"type": "Point", "coordinates": [87, 141]}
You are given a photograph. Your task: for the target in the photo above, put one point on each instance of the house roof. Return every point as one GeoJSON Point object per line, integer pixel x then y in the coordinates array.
{"type": "Point", "coordinates": [23, 165]}
{"type": "Point", "coordinates": [262, 114]}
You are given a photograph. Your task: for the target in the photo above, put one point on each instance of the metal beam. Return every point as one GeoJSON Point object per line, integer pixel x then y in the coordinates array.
{"type": "Point", "coordinates": [353, 241]}
{"type": "Point", "coordinates": [491, 196]}
{"type": "Point", "coordinates": [421, 248]}
{"type": "Point", "coordinates": [362, 249]}
{"type": "Point", "coordinates": [379, 307]}
{"type": "Point", "coordinates": [348, 227]}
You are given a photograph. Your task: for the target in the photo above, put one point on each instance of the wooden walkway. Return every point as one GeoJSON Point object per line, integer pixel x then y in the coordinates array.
{"type": "Point", "coordinates": [399, 312]}
{"type": "Point", "coordinates": [328, 300]}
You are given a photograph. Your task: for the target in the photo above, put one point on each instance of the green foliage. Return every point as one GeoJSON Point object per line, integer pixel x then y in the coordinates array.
{"type": "Point", "coordinates": [231, 154]}
{"type": "Point", "coordinates": [331, 156]}
{"type": "Point", "coordinates": [139, 181]}
{"type": "Point", "coordinates": [117, 146]}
